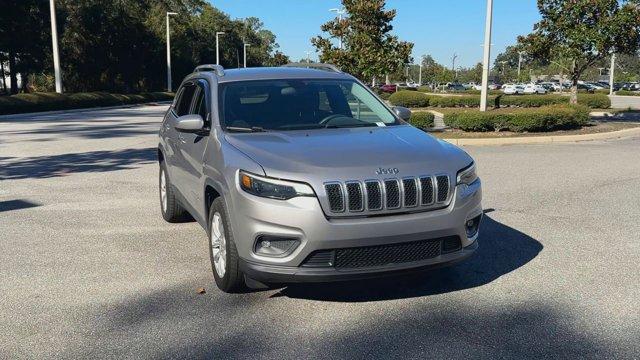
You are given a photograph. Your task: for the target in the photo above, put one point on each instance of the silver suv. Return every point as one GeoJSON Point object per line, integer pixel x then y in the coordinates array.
{"type": "Point", "coordinates": [304, 175]}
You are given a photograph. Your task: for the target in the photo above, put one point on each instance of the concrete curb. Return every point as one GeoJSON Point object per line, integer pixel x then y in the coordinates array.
{"type": "Point", "coordinates": [545, 139]}
{"type": "Point", "coordinates": [70, 111]}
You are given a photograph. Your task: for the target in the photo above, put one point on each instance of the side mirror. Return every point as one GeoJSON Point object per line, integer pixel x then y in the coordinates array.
{"type": "Point", "coordinates": [402, 112]}
{"type": "Point", "coordinates": [191, 123]}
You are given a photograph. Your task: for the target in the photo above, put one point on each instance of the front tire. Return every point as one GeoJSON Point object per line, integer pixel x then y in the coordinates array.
{"type": "Point", "coordinates": [222, 250]}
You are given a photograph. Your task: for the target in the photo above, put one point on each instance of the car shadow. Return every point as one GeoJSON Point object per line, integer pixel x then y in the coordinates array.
{"type": "Point", "coordinates": [17, 204]}
{"type": "Point", "coordinates": [61, 165]}
{"type": "Point", "coordinates": [502, 249]}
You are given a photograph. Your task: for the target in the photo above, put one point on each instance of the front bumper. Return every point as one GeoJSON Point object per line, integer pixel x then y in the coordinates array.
{"type": "Point", "coordinates": [291, 274]}
{"type": "Point", "coordinates": [303, 218]}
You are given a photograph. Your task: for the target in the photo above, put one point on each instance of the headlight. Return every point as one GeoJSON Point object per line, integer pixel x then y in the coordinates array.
{"type": "Point", "coordinates": [273, 188]}
{"type": "Point", "coordinates": [467, 175]}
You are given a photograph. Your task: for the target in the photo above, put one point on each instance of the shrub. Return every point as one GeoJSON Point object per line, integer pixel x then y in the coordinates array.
{"type": "Point", "coordinates": [409, 99]}
{"type": "Point", "coordinates": [628, 93]}
{"type": "Point", "coordinates": [546, 118]}
{"type": "Point", "coordinates": [34, 102]}
{"type": "Point", "coordinates": [425, 89]}
{"type": "Point", "coordinates": [455, 101]}
{"type": "Point", "coordinates": [422, 119]}
{"type": "Point", "coordinates": [532, 100]}
{"type": "Point", "coordinates": [384, 95]}
{"type": "Point", "coordinates": [594, 101]}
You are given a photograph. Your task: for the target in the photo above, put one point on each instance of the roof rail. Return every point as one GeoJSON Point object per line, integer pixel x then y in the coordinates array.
{"type": "Point", "coordinates": [218, 69]}
{"type": "Point", "coordinates": [319, 66]}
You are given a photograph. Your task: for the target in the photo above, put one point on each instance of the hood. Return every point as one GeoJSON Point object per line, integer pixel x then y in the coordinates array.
{"type": "Point", "coordinates": [349, 154]}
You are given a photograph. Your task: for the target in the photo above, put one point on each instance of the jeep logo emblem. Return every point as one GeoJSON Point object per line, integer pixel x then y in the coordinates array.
{"type": "Point", "coordinates": [387, 171]}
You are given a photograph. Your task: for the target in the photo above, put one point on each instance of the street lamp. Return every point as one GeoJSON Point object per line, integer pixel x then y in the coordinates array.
{"type": "Point", "coordinates": [519, 62]}
{"type": "Point", "coordinates": [169, 52]}
{"type": "Point", "coordinates": [54, 41]}
{"type": "Point", "coordinates": [218, 47]}
{"type": "Point", "coordinates": [339, 12]}
{"type": "Point", "coordinates": [611, 78]}
{"type": "Point", "coordinates": [486, 56]}
{"type": "Point", "coordinates": [245, 53]}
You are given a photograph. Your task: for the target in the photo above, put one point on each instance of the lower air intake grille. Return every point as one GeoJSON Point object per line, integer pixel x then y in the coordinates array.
{"type": "Point", "coordinates": [336, 199]}
{"type": "Point", "coordinates": [381, 255]}
{"type": "Point", "coordinates": [443, 187]}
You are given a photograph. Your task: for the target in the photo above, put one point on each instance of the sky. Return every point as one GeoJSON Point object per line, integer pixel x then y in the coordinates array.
{"type": "Point", "coordinates": [439, 28]}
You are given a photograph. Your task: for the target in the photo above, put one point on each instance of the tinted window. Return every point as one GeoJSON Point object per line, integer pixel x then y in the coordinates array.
{"type": "Point", "coordinates": [184, 103]}
{"type": "Point", "coordinates": [301, 104]}
{"type": "Point", "coordinates": [201, 104]}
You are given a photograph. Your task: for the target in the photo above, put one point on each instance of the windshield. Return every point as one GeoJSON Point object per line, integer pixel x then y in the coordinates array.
{"type": "Point", "coordinates": [299, 104]}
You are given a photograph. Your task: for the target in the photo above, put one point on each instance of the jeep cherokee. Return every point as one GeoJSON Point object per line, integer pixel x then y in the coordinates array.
{"type": "Point", "coordinates": [305, 175]}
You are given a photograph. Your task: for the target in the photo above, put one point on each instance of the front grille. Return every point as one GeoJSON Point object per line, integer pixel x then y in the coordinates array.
{"type": "Point", "coordinates": [354, 194]}
{"type": "Point", "coordinates": [443, 187]}
{"type": "Point", "coordinates": [427, 190]}
{"type": "Point", "coordinates": [410, 192]}
{"type": "Point", "coordinates": [393, 193]}
{"type": "Point", "coordinates": [390, 194]}
{"type": "Point", "coordinates": [374, 195]}
{"type": "Point", "coordinates": [382, 255]}
{"type": "Point", "coordinates": [334, 194]}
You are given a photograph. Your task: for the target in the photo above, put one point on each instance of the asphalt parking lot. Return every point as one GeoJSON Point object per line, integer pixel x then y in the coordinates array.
{"type": "Point", "coordinates": [90, 270]}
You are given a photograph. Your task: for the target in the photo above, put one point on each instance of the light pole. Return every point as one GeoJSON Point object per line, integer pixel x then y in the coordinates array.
{"type": "Point", "coordinates": [339, 12]}
{"type": "Point", "coordinates": [308, 57]}
{"type": "Point", "coordinates": [245, 53]}
{"type": "Point", "coordinates": [486, 56]}
{"type": "Point", "coordinates": [169, 52]}
{"type": "Point", "coordinates": [519, 62]}
{"type": "Point", "coordinates": [218, 46]}
{"type": "Point", "coordinates": [54, 41]}
{"type": "Point", "coordinates": [420, 75]}
{"type": "Point", "coordinates": [453, 61]}
{"type": "Point", "coordinates": [613, 67]}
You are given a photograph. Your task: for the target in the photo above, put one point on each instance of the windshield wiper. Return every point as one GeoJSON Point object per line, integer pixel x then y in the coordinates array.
{"type": "Point", "coordinates": [246, 129]}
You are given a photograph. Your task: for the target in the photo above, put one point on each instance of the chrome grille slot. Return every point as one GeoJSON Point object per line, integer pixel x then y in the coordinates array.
{"type": "Point", "coordinates": [443, 188]}
{"type": "Point", "coordinates": [335, 196]}
{"type": "Point", "coordinates": [426, 185]}
{"type": "Point", "coordinates": [392, 190]}
{"type": "Point", "coordinates": [374, 195]}
{"type": "Point", "coordinates": [354, 196]}
{"type": "Point", "coordinates": [410, 192]}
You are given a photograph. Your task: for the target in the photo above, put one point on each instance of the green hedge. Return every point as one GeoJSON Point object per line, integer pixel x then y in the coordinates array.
{"type": "Point", "coordinates": [546, 118]}
{"type": "Point", "coordinates": [418, 99]}
{"type": "Point", "coordinates": [34, 102]}
{"type": "Point", "coordinates": [628, 93]}
{"type": "Point", "coordinates": [594, 101]}
{"type": "Point", "coordinates": [422, 119]}
{"type": "Point", "coordinates": [409, 99]}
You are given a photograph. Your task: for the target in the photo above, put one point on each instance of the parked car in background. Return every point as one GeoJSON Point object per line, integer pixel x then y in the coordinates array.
{"type": "Point", "coordinates": [588, 88]}
{"type": "Point", "coordinates": [455, 87]}
{"type": "Point", "coordinates": [534, 89]}
{"type": "Point", "coordinates": [512, 89]}
{"type": "Point", "coordinates": [388, 88]}
{"type": "Point", "coordinates": [405, 86]}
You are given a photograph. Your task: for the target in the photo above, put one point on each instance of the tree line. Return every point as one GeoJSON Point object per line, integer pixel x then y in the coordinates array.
{"type": "Point", "coordinates": [120, 45]}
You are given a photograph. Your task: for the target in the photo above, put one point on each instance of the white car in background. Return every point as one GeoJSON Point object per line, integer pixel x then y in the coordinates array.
{"type": "Point", "coordinates": [534, 89]}
{"type": "Point", "coordinates": [511, 89]}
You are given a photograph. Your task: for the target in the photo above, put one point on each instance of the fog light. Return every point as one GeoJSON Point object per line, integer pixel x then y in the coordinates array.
{"type": "Point", "coordinates": [472, 226]}
{"type": "Point", "coordinates": [274, 246]}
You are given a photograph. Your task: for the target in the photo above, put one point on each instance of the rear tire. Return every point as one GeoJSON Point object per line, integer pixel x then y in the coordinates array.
{"type": "Point", "coordinates": [169, 206]}
{"type": "Point", "coordinates": [222, 250]}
